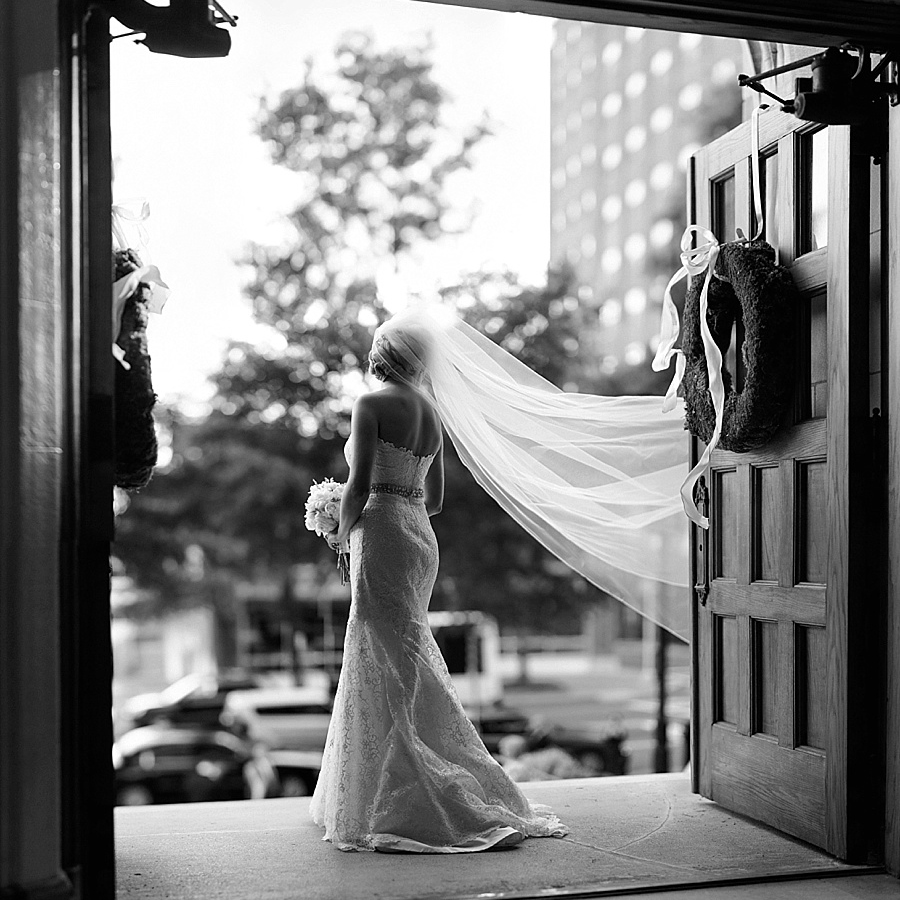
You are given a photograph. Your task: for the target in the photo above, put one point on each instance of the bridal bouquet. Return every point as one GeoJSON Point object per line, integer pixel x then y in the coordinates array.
{"type": "Point", "coordinates": [323, 512]}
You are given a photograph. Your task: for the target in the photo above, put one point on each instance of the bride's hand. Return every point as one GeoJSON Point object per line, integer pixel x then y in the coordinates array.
{"type": "Point", "coordinates": [337, 544]}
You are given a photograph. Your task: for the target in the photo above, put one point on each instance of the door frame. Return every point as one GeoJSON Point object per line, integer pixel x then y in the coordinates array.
{"type": "Point", "coordinates": [798, 21]}
{"type": "Point", "coordinates": [875, 23]}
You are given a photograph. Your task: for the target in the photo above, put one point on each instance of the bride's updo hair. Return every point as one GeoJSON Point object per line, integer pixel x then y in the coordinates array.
{"type": "Point", "coordinates": [399, 352]}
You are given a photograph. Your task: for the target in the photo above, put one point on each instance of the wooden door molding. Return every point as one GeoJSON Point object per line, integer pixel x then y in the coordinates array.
{"type": "Point", "coordinates": [892, 728]}
{"type": "Point", "coordinates": [849, 467]}
{"type": "Point", "coordinates": [875, 23]}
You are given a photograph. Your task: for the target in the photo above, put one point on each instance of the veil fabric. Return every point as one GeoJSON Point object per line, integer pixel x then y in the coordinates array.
{"type": "Point", "coordinates": [594, 479]}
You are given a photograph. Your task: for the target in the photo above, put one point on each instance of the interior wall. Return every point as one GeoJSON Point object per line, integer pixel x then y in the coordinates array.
{"type": "Point", "coordinates": [32, 391]}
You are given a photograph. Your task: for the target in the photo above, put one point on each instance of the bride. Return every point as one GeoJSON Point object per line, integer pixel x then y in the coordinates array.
{"type": "Point", "coordinates": [595, 479]}
{"type": "Point", "coordinates": [404, 769]}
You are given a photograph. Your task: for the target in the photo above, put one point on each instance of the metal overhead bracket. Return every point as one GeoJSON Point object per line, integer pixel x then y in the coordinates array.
{"type": "Point", "coordinates": [843, 89]}
{"type": "Point", "coordinates": [188, 28]}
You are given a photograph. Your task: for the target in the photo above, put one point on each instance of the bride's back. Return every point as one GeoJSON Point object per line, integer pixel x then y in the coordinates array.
{"type": "Point", "coordinates": [407, 419]}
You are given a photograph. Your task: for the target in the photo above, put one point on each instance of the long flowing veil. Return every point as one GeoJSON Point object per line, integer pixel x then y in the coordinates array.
{"type": "Point", "coordinates": [595, 479]}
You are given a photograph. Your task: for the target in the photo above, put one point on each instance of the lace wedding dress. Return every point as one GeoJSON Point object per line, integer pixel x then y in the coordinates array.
{"type": "Point", "coordinates": [404, 770]}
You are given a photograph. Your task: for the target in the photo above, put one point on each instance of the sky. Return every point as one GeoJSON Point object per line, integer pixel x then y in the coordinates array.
{"type": "Point", "coordinates": [182, 139]}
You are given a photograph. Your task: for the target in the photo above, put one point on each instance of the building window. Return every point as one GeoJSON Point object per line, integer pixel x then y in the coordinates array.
{"type": "Point", "coordinates": [635, 301]}
{"type": "Point", "coordinates": [589, 154]}
{"type": "Point", "coordinates": [635, 192]}
{"type": "Point", "coordinates": [559, 135]}
{"type": "Point", "coordinates": [611, 209]}
{"type": "Point", "coordinates": [573, 32]}
{"type": "Point", "coordinates": [611, 105]}
{"type": "Point", "coordinates": [724, 71]}
{"type": "Point", "coordinates": [588, 63]}
{"type": "Point", "coordinates": [573, 123]}
{"type": "Point", "coordinates": [573, 78]}
{"type": "Point", "coordinates": [688, 42]}
{"type": "Point", "coordinates": [661, 176]}
{"type": "Point", "coordinates": [612, 156]}
{"type": "Point", "coordinates": [633, 34]}
{"type": "Point", "coordinates": [588, 246]}
{"type": "Point", "coordinates": [612, 53]}
{"type": "Point", "coordinates": [662, 232]}
{"type": "Point", "coordinates": [635, 353]}
{"type": "Point", "coordinates": [691, 96]}
{"type": "Point", "coordinates": [635, 138]}
{"type": "Point", "coordinates": [573, 166]}
{"type": "Point", "coordinates": [635, 248]}
{"type": "Point", "coordinates": [559, 220]}
{"type": "Point", "coordinates": [661, 61]}
{"type": "Point", "coordinates": [611, 314]}
{"type": "Point", "coordinates": [611, 260]}
{"type": "Point", "coordinates": [661, 118]}
{"type": "Point", "coordinates": [636, 83]}
{"type": "Point", "coordinates": [589, 108]}
{"type": "Point", "coordinates": [589, 200]}
{"type": "Point", "coordinates": [558, 179]}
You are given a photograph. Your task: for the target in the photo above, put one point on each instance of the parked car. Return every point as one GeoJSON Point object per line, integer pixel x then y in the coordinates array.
{"type": "Point", "coordinates": [288, 718]}
{"type": "Point", "coordinates": [164, 764]}
{"type": "Point", "coordinates": [298, 770]}
{"type": "Point", "coordinates": [196, 699]}
{"type": "Point", "coordinates": [601, 751]}
{"type": "Point", "coordinates": [496, 722]}
{"type": "Point", "coordinates": [469, 641]}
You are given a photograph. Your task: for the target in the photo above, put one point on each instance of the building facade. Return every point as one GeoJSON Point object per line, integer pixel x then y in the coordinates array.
{"type": "Point", "coordinates": [629, 106]}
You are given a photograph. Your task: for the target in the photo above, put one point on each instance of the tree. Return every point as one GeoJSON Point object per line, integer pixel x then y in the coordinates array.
{"type": "Point", "coordinates": [372, 159]}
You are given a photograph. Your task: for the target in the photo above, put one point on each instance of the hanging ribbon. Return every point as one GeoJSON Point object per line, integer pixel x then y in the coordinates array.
{"type": "Point", "coordinates": [694, 261]}
{"type": "Point", "coordinates": [129, 231]}
{"type": "Point", "coordinates": [128, 228]}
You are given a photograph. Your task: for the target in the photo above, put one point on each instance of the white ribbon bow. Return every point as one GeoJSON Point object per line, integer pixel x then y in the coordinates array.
{"type": "Point", "coordinates": [129, 231]}
{"type": "Point", "coordinates": [694, 261]}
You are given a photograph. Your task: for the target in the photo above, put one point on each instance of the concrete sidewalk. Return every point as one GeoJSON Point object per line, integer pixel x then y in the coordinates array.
{"type": "Point", "coordinates": [640, 834]}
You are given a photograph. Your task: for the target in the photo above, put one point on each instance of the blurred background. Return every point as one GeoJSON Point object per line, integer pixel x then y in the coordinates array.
{"type": "Point", "coordinates": [533, 173]}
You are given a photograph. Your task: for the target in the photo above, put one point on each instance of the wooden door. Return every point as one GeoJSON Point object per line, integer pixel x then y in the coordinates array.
{"type": "Point", "coordinates": [775, 637]}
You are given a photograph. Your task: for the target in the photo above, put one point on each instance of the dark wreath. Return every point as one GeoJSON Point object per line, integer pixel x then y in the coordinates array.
{"type": "Point", "coordinates": [763, 294]}
{"type": "Point", "coordinates": [135, 437]}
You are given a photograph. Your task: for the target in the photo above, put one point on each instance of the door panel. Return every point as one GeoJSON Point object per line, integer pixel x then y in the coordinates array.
{"type": "Point", "coordinates": [772, 644]}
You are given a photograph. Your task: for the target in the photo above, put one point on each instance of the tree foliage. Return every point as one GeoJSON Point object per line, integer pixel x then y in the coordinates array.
{"type": "Point", "coordinates": [373, 159]}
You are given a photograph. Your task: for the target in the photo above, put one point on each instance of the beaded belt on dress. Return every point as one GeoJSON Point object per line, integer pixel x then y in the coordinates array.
{"type": "Point", "coordinates": [399, 490]}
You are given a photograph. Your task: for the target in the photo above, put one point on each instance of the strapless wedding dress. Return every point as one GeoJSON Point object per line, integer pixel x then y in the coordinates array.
{"type": "Point", "coordinates": [404, 769]}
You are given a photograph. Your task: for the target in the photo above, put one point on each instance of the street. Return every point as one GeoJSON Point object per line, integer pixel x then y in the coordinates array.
{"type": "Point", "coordinates": [598, 693]}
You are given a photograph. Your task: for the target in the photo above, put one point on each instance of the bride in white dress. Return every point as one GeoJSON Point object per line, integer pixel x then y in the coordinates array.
{"type": "Point", "coordinates": [404, 769]}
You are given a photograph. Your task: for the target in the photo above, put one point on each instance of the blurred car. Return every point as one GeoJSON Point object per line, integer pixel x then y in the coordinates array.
{"type": "Point", "coordinates": [498, 721]}
{"type": "Point", "coordinates": [162, 764]}
{"type": "Point", "coordinates": [286, 718]}
{"type": "Point", "coordinates": [600, 750]}
{"type": "Point", "coordinates": [298, 770]}
{"type": "Point", "coordinates": [196, 699]}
